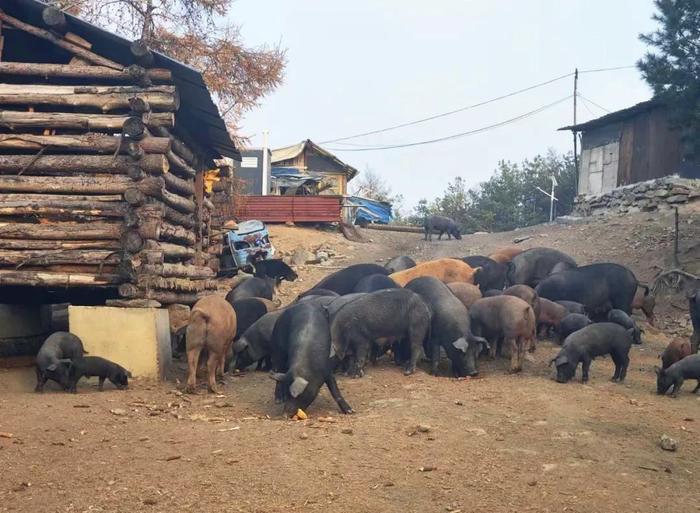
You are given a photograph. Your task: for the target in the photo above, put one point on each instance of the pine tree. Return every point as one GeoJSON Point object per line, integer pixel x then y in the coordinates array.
{"type": "Point", "coordinates": [672, 67]}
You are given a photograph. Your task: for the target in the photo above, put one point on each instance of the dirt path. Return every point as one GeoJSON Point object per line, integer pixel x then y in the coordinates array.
{"type": "Point", "coordinates": [499, 443]}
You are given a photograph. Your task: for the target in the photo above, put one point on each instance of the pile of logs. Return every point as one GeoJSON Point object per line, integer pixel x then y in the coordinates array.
{"type": "Point", "coordinates": [95, 188]}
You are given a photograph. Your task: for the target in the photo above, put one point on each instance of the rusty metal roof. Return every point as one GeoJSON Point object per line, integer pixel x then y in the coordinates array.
{"type": "Point", "coordinates": [197, 109]}
{"type": "Point", "coordinates": [296, 209]}
{"type": "Point", "coordinates": [615, 117]}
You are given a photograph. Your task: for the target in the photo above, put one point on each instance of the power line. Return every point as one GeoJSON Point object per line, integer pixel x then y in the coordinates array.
{"type": "Point", "coordinates": [451, 112]}
{"type": "Point", "coordinates": [475, 105]}
{"type": "Point", "coordinates": [462, 134]}
{"type": "Point", "coordinates": [592, 102]}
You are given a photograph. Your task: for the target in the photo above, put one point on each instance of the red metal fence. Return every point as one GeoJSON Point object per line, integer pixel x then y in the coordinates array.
{"type": "Point", "coordinates": [281, 209]}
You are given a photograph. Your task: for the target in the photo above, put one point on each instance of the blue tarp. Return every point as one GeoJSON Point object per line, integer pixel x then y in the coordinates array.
{"type": "Point", "coordinates": [285, 171]}
{"type": "Point", "coordinates": [369, 211]}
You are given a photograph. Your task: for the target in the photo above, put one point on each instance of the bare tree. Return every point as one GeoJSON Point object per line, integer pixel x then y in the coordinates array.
{"type": "Point", "coordinates": [189, 31]}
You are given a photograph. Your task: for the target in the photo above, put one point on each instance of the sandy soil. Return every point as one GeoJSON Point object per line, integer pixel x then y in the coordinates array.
{"type": "Point", "coordinates": [499, 443]}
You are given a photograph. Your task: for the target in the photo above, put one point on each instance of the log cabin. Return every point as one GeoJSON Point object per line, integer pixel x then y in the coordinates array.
{"type": "Point", "coordinates": [103, 149]}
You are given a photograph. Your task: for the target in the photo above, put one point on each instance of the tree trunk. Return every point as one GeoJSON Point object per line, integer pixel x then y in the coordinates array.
{"type": "Point", "coordinates": [115, 184]}
{"type": "Point", "coordinates": [67, 210]}
{"type": "Point", "coordinates": [90, 143]}
{"type": "Point", "coordinates": [58, 257]}
{"type": "Point", "coordinates": [55, 279]}
{"type": "Point", "coordinates": [129, 290]}
{"type": "Point", "coordinates": [179, 166]}
{"type": "Point", "coordinates": [133, 303]}
{"type": "Point", "coordinates": [58, 244]}
{"type": "Point", "coordinates": [32, 69]}
{"type": "Point", "coordinates": [106, 98]}
{"type": "Point", "coordinates": [170, 251]}
{"type": "Point", "coordinates": [61, 231]}
{"type": "Point", "coordinates": [178, 185]}
{"type": "Point", "coordinates": [55, 19]}
{"type": "Point", "coordinates": [76, 50]}
{"type": "Point", "coordinates": [59, 164]}
{"type": "Point", "coordinates": [109, 122]}
{"type": "Point", "coordinates": [177, 271]}
{"type": "Point", "coordinates": [179, 147]}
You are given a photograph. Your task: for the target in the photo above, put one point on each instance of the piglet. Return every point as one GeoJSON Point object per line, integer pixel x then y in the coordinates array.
{"type": "Point", "coordinates": [687, 368]}
{"type": "Point", "coordinates": [624, 320]}
{"type": "Point", "coordinates": [584, 345]}
{"type": "Point", "coordinates": [90, 366]}
{"type": "Point", "coordinates": [675, 351]}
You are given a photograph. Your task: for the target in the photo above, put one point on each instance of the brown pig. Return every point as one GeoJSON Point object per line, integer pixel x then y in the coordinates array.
{"type": "Point", "coordinates": [528, 295]}
{"type": "Point", "coordinates": [446, 270]}
{"type": "Point", "coordinates": [212, 328]}
{"type": "Point", "coordinates": [675, 351]}
{"type": "Point", "coordinates": [508, 317]}
{"type": "Point", "coordinates": [645, 301]}
{"type": "Point", "coordinates": [505, 255]}
{"type": "Point", "coordinates": [465, 292]}
{"type": "Point", "coordinates": [550, 316]}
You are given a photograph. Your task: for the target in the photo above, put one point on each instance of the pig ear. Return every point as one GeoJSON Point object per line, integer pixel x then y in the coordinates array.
{"type": "Point", "coordinates": [659, 371]}
{"type": "Point", "coordinates": [240, 345]}
{"type": "Point", "coordinates": [298, 386]}
{"type": "Point", "coordinates": [461, 344]}
{"type": "Point", "coordinates": [277, 376]}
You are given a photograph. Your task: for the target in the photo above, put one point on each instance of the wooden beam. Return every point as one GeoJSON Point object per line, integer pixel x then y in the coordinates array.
{"type": "Point", "coordinates": [60, 42]}
{"type": "Point", "coordinates": [61, 231]}
{"type": "Point", "coordinates": [33, 257]}
{"type": "Point", "coordinates": [55, 279]}
{"type": "Point", "coordinates": [92, 122]}
{"type": "Point", "coordinates": [70, 164]}
{"type": "Point", "coordinates": [106, 98]}
{"type": "Point", "coordinates": [59, 244]}
{"type": "Point", "coordinates": [90, 142]}
{"type": "Point", "coordinates": [130, 74]}
{"type": "Point", "coordinates": [110, 184]}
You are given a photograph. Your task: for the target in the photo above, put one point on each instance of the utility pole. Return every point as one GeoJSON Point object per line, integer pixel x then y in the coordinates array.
{"type": "Point", "coordinates": [551, 200]}
{"type": "Point", "coordinates": [574, 130]}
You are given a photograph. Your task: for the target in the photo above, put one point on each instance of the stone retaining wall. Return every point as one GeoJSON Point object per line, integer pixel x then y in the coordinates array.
{"type": "Point", "coordinates": [658, 194]}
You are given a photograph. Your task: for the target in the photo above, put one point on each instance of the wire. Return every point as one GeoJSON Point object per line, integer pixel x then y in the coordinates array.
{"type": "Point", "coordinates": [468, 107]}
{"type": "Point", "coordinates": [585, 104]}
{"type": "Point", "coordinates": [588, 100]}
{"type": "Point", "coordinates": [449, 113]}
{"type": "Point", "coordinates": [463, 134]}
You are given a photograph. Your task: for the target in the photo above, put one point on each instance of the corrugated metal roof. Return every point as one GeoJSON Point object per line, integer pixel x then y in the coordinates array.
{"type": "Point", "coordinates": [293, 151]}
{"type": "Point", "coordinates": [282, 209]}
{"type": "Point", "coordinates": [197, 109]}
{"type": "Point", "coordinates": [615, 117]}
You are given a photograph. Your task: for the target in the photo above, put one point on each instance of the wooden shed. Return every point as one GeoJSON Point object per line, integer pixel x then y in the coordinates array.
{"type": "Point", "coordinates": [629, 146]}
{"type": "Point", "coordinates": [309, 158]}
{"type": "Point", "coordinates": [103, 149]}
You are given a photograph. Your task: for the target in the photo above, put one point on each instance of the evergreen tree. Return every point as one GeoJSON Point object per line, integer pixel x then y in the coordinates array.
{"type": "Point", "coordinates": [672, 67]}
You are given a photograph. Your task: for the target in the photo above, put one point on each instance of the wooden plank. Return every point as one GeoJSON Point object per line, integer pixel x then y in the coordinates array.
{"type": "Point", "coordinates": [32, 69]}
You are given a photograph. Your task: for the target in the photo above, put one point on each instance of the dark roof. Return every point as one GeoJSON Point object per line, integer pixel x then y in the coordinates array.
{"type": "Point", "coordinates": [197, 110]}
{"type": "Point", "coordinates": [615, 117]}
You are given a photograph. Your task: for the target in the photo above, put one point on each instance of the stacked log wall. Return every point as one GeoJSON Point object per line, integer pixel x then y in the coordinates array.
{"type": "Point", "coordinates": [95, 190]}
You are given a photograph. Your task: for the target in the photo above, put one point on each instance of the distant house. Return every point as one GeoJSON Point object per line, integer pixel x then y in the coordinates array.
{"type": "Point", "coordinates": [629, 146]}
{"type": "Point", "coordinates": [255, 172]}
{"type": "Point", "coordinates": [307, 159]}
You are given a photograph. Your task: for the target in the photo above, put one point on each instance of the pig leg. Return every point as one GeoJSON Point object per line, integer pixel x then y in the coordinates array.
{"type": "Point", "coordinates": [41, 380]}
{"type": "Point", "coordinates": [514, 364]}
{"type": "Point", "coordinates": [101, 384]}
{"type": "Point", "coordinates": [585, 367]}
{"type": "Point", "coordinates": [213, 365]}
{"type": "Point", "coordinates": [361, 354]}
{"type": "Point", "coordinates": [434, 357]}
{"type": "Point", "coordinates": [416, 350]}
{"type": "Point", "coordinates": [676, 387]}
{"type": "Point", "coordinates": [697, 387]}
{"type": "Point", "coordinates": [337, 396]}
{"type": "Point", "coordinates": [192, 363]}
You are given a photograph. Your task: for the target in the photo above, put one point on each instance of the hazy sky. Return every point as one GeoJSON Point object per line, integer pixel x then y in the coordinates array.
{"type": "Point", "coordinates": [360, 65]}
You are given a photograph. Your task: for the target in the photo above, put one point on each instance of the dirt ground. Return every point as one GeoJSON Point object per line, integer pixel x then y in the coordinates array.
{"type": "Point", "coordinates": [498, 443]}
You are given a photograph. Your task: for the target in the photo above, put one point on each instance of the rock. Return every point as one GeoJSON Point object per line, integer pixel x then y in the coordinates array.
{"type": "Point", "coordinates": [422, 428]}
{"type": "Point", "coordinates": [459, 403]}
{"type": "Point", "coordinates": [532, 482]}
{"type": "Point", "coordinates": [301, 256]}
{"type": "Point", "coordinates": [662, 193]}
{"type": "Point", "coordinates": [346, 431]}
{"type": "Point", "coordinates": [500, 438]}
{"type": "Point", "coordinates": [634, 402]}
{"type": "Point", "coordinates": [304, 436]}
{"type": "Point", "coordinates": [150, 501]}
{"type": "Point", "coordinates": [668, 444]}
{"type": "Point", "coordinates": [119, 412]}
{"type": "Point", "coordinates": [427, 468]}
{"type": "Point", "coordinates": [322, 256]}
{"type": "Point", "coordinates": [677, 198]}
